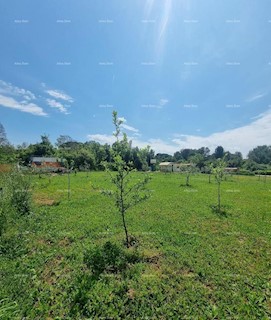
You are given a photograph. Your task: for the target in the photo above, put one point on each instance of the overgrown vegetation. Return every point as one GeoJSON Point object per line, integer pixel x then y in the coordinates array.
{"type": "Point", "coordinates": [109, 258]}
{"type": "Point", "coordinates": [15, 197]}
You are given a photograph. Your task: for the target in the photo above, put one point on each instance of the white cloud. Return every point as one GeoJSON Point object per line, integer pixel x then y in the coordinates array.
{"type": "Point", "coordinates": [102, 138]}
{"type": "Point", "coordinates": [55, 104]}
{"type": "Point", "coordinates": [256, 97]}
{"type": "Point", "coordinates": [7, 88]}
{"type": "Point", "coordinates": [126, 126]}
{"type": "Point", "coordinates": [23, 106]}
{"type": "Point", "coordinates": [157, 144]}
{"type": "Point", "coordinates": [122, 119]}
{"type": "Point", "coordinates": [57, 94]}
{"type": "Point", "coordinates": [129, 128]}
{"type": "Point", "coordinates": [240, 139]}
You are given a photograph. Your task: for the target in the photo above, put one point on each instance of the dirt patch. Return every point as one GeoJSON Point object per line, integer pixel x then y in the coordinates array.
{"type": "Point", "coordinates": [46, 202]}
{"type": "Point", "coordinates": [5, 168]}
{"type": "Point", "coordinates": [51, 268]}
{"type": "Point", "coordinates": [188, 273]}
{"type": "Point", "coordinates": [131, 294]}
{"type": "Point", "coordinates": [65, 242]}
{"type": "Point", "coordinates": [45, 242]}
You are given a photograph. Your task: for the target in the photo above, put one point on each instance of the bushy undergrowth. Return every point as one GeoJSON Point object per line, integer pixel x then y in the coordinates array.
{"type": "Point", "coordinates": [18, 189]}
{"type": "Point", "coordinates": [109, 258]}
{"type": "Point", "coordinates": [15, 197]}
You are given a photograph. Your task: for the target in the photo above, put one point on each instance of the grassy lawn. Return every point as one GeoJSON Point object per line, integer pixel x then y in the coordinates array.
{"type": "Point", "coordinates": [196, 264]}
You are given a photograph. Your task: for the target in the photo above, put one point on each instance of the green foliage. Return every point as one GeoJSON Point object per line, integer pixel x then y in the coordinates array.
{"type": "Point", "coordinates": [8, 309]}
{"type": "Point", "coordinates": [109, 258]}
{"type": "Point", "coordinates": [3, 221]}
{"type": "Point", "coordinates": [188, 170]}
{"type": "Point", "coordinates": [260, 154]}
{"type": "Point", "coordinates": [18, 189]}
{"type": "Point", "coordinates": [3, 209]}
{"type": "Point", "coordinates": [127, 193]}
{"type": "Point", "coordinates": [219, 152]}
{"type": "Point", "coordinates": [219, 171]}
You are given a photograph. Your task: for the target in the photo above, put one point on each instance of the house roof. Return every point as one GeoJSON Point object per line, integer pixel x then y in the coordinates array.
{"type": "Point", "coordinates": [44, 159]}
{"type": "Point", "coordinates": [166, 163]}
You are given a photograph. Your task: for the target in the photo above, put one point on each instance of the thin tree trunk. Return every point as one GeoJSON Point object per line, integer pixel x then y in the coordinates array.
{"type": "Point", "coordinates": [123, 214]}
{"type": "Point", "coordinates": [218, 197]}
{"type": "Point", "coordinates": [69, 185]}
{"type": "Point", "coordinates": [125, 229]}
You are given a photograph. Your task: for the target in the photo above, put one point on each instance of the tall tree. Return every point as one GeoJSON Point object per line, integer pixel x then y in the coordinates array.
{"type": "Point", "coordinates": [3, 136]}
{"type": "Point", "coordinates": [44, 148]}
{"type": "Point", "coordinates": [260, 154]}
{"type": "Point", "coordinates": [62, 140]}
{"type": "Point", "coordinates": [219, 152]}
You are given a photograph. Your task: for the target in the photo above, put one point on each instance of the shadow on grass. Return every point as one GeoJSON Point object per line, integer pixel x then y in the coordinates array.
{"type": "Point", "coordinates": [185, 185]}
{"type": "Point", "coordinates": [221, 212]}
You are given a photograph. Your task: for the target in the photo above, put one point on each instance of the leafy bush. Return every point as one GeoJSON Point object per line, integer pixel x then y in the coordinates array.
{"type": "Point", "coordinates": [3, 221]}
{"type": "Point", "coordinates": [263, 172]}
{"type": "Point", "coordinates": [245, 172]}
{"type": "Point", "coordinates": [110, 258]}
{"type": "Point", "coordinates": [18, 188]}
{"type": "Point", "coordinates": [3, 211]}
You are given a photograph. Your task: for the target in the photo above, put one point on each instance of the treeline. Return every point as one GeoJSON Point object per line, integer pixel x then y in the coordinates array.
{"type": "Point", "coordinates": [91, 155]}
{"type": "Point", "coordinates": [258, 160]}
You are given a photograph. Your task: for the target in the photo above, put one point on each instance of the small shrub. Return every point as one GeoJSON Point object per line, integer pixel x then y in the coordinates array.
{"type": "Point", "coordinates": [3, 221]}
{"type": "Point", "coordinates": [18, 188]}
{"type": "Point", "coordinates": [110, 258]}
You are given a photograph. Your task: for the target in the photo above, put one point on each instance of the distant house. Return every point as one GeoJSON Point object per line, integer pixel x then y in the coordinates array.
{"type": "Point", "coordinates": [47, 163]}
{"type": "Point", "coordinates": [231, 170]}
{"type": "Point", "coordinates": [166, 166]}
{"type": "Point", "coordinates": [173, 166]}
{"type": "Point", "coordinates": [180, 167]}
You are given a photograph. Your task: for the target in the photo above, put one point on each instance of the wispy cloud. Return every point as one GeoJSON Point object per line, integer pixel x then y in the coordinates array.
{"type": "Point", "coordinates": [129, 128]}
{"type": "Point", "coordinates": [8, 89]}
{"type": "Point", "coordinates": [19, 99]}
{"type": "Point", "coordinates": [57, 94]}
{"type": "Point", "coordinates": [23, 106]}
{"type": "Point", "coordinates": [55, 104]}
{"type": "Point", "coordinates": [256, 96]}
{"type": "Point", "coordinates": [126, 126]}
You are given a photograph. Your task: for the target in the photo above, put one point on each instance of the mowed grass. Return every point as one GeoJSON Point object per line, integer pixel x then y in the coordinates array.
{"type": "Point", "coordinates": [197, 264]}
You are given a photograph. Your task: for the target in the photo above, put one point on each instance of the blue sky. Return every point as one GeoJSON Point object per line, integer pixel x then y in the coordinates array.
{"type": "Point", "coordinates": [181, 74]}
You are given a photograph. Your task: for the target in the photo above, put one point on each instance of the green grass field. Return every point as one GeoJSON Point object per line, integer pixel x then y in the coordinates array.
{"type": "Point", "coordinates": [196, 264]}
